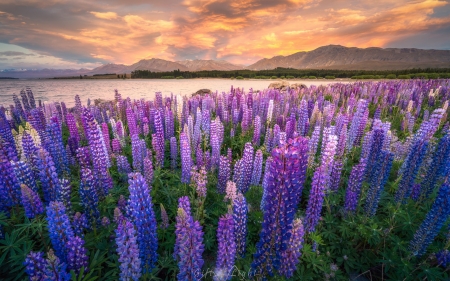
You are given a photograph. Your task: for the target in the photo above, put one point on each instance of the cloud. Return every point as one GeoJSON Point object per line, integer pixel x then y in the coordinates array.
{"type": "Point", "coordinates": [13, 53]}
{"type": "Point", "coordinates": [106, 15]}
{"type": "Point", "coordinates": [241, 31]}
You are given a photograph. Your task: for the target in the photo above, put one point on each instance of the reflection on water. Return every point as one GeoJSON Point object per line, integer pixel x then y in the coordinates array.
{"type": "Point", "coordinates": [65, 90]}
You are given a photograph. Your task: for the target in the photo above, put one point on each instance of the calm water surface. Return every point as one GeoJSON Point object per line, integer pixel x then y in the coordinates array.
{"type": "Point", "coordinates": [65, 90]}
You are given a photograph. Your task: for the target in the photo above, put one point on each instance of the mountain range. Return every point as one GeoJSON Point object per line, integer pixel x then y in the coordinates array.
{"type": "Point", "coordinates": [326, 57]}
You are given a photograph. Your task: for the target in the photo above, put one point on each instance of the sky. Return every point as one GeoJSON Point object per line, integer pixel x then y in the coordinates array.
{"type": "Point", "coordinates": [37, 34]}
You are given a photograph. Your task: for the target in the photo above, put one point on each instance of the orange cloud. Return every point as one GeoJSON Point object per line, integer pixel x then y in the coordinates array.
{"type": "Point", "coordinates": [106, 16]}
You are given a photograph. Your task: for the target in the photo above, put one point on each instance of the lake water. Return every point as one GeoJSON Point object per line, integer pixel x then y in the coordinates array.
{"type": "Point", "coordinates": [65, 90]}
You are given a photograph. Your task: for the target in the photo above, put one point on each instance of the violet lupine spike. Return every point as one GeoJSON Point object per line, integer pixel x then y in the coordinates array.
{"type": "Point", "coordinates": [188, 246]}
{"type": "Point", "coordinates": [9, 185]}
{"type": "Point", "coordinates": [240, 217]}
{"type": "Point", "coordinates": [116, 147]}
{"type": "Point", "coordinates": [186, 161]}
{"type": "Point", "coordinates": [31, 202]}
{"type": "Point", "coordinates": [285, 184]}
{"type": "Point", "coordinates": [29, 148]}
{"type": "Point", "coordinates": [128, 251]}
{"type": "Point", "coordinates": [257, 167]}
{"type": "Point", "coordinates": [173, 153]}
{"type": "Point", "coordinates": [433, 222]}
{"type": "Point", "coordinates": [265, 181]}
{"type": "Point", "coordinates": [59, 228]}
{"type": "Point", "coordinates": [291, 256]}
{"type": "Point", "coordinates": [268, 139]}
{"type": "Point", "coordinates": [199, 156]}
{"type": "Point", "coordinates": [55, 269]}
{"type": "Point", "coordinates": [63, 194]}
{"type": "Point", "coordinates": [316, 197]}
{"type": "Point", "coordinates": [230, 191]}
{"type": "Point", "coordinates": [141, 206]}
{"type": "Point", "coordinates": [105, 133]}
{"type": "Point", "coordinates": [77, 255]}
{"type": "Point", "coordinates": [72, 126]}
{"type": "Point", "coordinates": [224, 174]}
{"type": "Point", "coordinates": [148, 171]}
{"type": "Point", "coordinates": [35, 265]}
{"type": "Point", "coordinates": [123, 166]}
{"type": "Point", "coordinates": [105, 222]}
{"type": "Point", "coordinates": [342, 141]}
{"type": "Point", "coordinates": [131, 119]}
{"type": "Point", "coordinates": [79, 224]}
{"type": "Point", "coordinates": [24, 174]}
{"type": "Point", "coordinates": [137, 153]}
{"type": "Point", "coordinates": [313, 143]}
{"type": "Point", "coordinates": [158, 140]}
{"type": "Point", "coordinates": [256, 131]}
{"type": "Point", "coordinates": [358, 121]}
{"type": "Point", "coordinates": [226, 252]}
{"type": "Point", "coordinates": [164, 217]}
{"type": "Point", "coordinates": [335, 177]}
{"type": "Point", "coordinates": [354, 187]}
{"type": "Point", "coordinates": [246, 168]}
{"type": "Point", "coordinates": [47, 174]}
{"type": "Point", "coordinates": [216, 140]}
{"type": "Point", "coordinates": [89, 197]}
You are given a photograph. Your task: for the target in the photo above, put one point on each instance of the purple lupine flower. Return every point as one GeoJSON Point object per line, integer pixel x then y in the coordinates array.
{"type": "Point", "coordinates": [268, 139]}
{"type": "Point", "coordinates": [245, 178]}
{"type": "Point", "coordinates": [185, 151]}
{"type": "Point", "coordinates": [158, 140]}
{"type": "Point", "coordinates": [381, 169]}
{"type": "Point", "coordinates": [342, 141]}
{"type": "Point", "coordinates": [199, 156]}
{"type": "Point", "coordinates": [55, 269]}
{"type": "Point", "coordinates": [24, 174]}
{"type": "Point", "coordinates": [47, 174]}
{"type": "Point", "coordinates": [216, 141]}
{"type": "Point", "coordinates": [433, 222]}
{"type": "Point", "coordinates": [77, 255]}
{"type": "Point", "coordinates": [137, 152]}
{"type": "Point", "coordinates": [284, 188]}
{"type": "Point", "coordinates": [128, 251]}
{"type": "Point", "coordinates": [224, 174]}
{"type": "Point", "coordinates": [123, 166]}
{"type": "Point", "coordinates": [29, 148]}
{"type": "Point", "coordinates": [291, 256]}
{"type": "Point", "coordinates": [141, 206]}
{"type": "Point", "coordinates": [240, 217]}
{"type": "Point", "coordinates": [35, 265]}
{"type": "Point", "coordinates": [63, 194]}
{"type": "Point", "coordinates": [226, 252]}
{"type": "Point", "coordinates": [173, 153]}
{"type": "Point", "coordinates": [335, 177]}
{"type": "Point", "coordinates": [276, 136]}
{"type": "Point", "coordinates": [265, 181]}
{"type": "Point", "coordinates": [99, 158]}
{"type": "Point", "coordinates": [257, 167]}
{"type": "Point", "coordinates": [316, 196]}
{"type": "Point", "coordinates": [443, 258]}
{"type": "Point", "coordinates": [79, 223]}
{"type": "Point", "coordinates": [354, 187]}
{"type": "Point", "coordinates": [164, 217]}
{"type": "Point", "coordinates": [56, 147]}
{"type": "Point", "coordinates": [73, 129]}
{"type": "Point", "coordinates": [116, 147]}
{"type": "Point", "coordinates": [438, 167]}
{"type": "Point", "coordinates": [357, 125]}
{"type": "Point", "coordinates": [170, 125]}
{"type": "Point", "coordinates": [59, 228]}
{"type": "Point", "coordinates": [31, 202]}
{"type": "Point", "coordinates": [131, 119]}
{"type": "Point", "coordinates": [148, 171]}
{"type": "Point", "coordinates": [256, 131]}
{"type": "Point", "coordinates": [89, 197]}
{"type": "Point", "coordinates": [122, 203]}
{"type": "Point", "coordinates": [105, 133]}
{"type": "Point", "coordinates": [313, 143]}
{"type": "Point", "coordinates": [188, 245]}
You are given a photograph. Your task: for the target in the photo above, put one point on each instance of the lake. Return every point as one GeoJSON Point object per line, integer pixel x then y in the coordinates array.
{"type": "Point", "coordinates": [65, 90]}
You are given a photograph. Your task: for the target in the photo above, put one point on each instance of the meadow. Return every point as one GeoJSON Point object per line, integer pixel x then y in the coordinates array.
{"type": "Point", "coordinates": [333, 182]}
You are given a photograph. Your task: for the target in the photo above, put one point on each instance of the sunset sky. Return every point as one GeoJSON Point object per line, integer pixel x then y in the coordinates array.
{"type": "Point", "coordinates": [81, 34]}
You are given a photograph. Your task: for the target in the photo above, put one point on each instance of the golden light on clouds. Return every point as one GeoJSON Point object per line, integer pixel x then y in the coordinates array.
{"type": "Point", "coordinates": [240, 31]}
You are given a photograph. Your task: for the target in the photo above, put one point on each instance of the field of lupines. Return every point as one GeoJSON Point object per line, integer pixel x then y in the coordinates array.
{"type": "Point", "coordinates": [325, 183]}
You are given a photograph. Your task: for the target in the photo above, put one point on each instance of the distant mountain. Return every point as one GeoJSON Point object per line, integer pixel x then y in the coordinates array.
{"type": "Point", "coordinates": [340, 57]}
{"type": "Point", "coordinates": [326, 57]}
{"type": "Point", "coordinates": [198, 65]}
